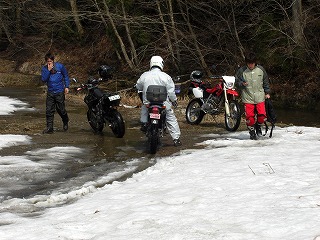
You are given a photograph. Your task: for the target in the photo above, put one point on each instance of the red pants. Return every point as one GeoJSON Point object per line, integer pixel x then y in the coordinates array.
{"type": "Point", "coordinates": [255, 110]}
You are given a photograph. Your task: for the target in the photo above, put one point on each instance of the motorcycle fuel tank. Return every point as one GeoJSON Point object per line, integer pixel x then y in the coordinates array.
{"type": "Point", "coordinates": [197, 92]}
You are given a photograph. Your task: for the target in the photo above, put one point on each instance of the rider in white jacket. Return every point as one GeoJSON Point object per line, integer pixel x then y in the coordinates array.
{"type": "Point", "coordinates": [155, 76]}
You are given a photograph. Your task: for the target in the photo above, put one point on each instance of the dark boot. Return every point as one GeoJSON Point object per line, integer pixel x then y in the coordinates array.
{"type": "Point", "coordinates": [49, 129]}
{"type": "Point", "coordinates": [258, 129]}
{"type": "Point", "coordinates": [65, 120]}
{"type": "Point", "coordinates": [177, 142]}
{"type": "Point", "coordinates": [144, 127]}
{"type": "Point", "coordinates": [65, 126]}
{"type": "Point", "coordinates": [252, 133]}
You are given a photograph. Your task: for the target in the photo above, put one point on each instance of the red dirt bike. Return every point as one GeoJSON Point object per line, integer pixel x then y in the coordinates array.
{"type": "Point", "coordinates": [214, 100]}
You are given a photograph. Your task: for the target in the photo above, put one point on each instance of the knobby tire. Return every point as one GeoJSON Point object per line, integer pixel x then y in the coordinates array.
{"type": "Point", "coordinates": [96, 125]}
{"type": "Point", "coordinates": [233, 123]}
{"type": "Point", "coordinates": [153, 138]}
{"type": "Point", "coordinates": [117, 124]}
{"type": "Point", "coordinates": [194, 114]}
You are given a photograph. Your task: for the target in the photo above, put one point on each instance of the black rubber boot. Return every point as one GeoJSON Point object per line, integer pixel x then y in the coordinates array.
{"type": "Point", "coordinates": [177, 142]}
{"type": "Point", "coordinates": [144, 127]}
{"type": "Point", "coordinates": [65, 126]}
{"type": "Point", "coordinates": [49, 129]}
{"type": "Point", "coordinates": [65, 120]}
{"type": "Point", "coordinates": [252, 132]}
{"type": "Point", "coordinates": [258, 129]}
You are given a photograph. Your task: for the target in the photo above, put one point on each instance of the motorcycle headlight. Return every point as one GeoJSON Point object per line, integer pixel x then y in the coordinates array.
{"type": "Point", "coordinates": [230, 85]}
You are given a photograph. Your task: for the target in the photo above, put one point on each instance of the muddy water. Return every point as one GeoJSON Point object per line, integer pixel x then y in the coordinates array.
{"type": "Point", "coordinates": [101, 155]}
{"type": "Point", "coordinates": [93, 158]}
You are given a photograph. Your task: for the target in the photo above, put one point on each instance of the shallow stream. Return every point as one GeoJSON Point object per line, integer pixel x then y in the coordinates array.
{"type": "Point", "coordinates": [79, 159]}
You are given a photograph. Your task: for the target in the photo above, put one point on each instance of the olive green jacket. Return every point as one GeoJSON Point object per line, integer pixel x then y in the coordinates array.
{"type": "Point", "coordinates": [258, 84]}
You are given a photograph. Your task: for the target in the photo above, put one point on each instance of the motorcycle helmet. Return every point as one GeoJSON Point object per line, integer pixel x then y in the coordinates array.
{"type": "Point", "coordinates": [156, 61]}
{"type": "Point", "coordinates": [196, 76]}
{"type": "Point", "coordinates": [105, 72]}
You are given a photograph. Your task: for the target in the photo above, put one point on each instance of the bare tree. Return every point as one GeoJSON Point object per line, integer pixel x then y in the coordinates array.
{"type": "Point", "coordinates": [174, 32]}
{"type": "Point", "coordinates": [115, 30]}
{"type": "Point", "coordinates": [184, 8]}
{"type": "Point", "coordinates": [75, 14]}
{"type": "Point", "coordinates": [167, 34]}
{"type": "Point", "coordinates": [128, 31]}
{"type": "Point", "coordinates": [4, 27]}
{"type": "Point", "coordinates": [298, 23]}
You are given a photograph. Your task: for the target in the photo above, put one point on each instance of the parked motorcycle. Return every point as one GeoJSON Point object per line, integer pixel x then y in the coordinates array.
{"type": "Point", "coordinates": [156, 125]}
{"type": "Point", "coordinates": [214, 100]}
{"type": "Point", "coordinates": [102, 105]}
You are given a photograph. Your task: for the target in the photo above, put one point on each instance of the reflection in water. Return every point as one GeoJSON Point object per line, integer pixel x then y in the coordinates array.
{"type": "Point", "coordinates": [298, 117]}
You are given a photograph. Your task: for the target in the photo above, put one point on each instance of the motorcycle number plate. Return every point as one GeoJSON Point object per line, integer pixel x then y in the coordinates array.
{"type": "Point", "coordinates": [114, 97]}
{"type": "Point", "coordinates": [155, 115]}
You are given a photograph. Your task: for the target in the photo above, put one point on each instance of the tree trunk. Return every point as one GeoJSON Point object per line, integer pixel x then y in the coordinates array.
{"type": "Point", "coordinates": [166, 32]}
{"type": "Point", "coordinates": [18, 21]}
{"type": "Point", "coordinates": [126, 24]}
{"type": "Point", "coordinates": [122, 46]}
{"type": "Point", "coordinates": [297, 23]}
{"type": "Point", "coordinates": [195, 42]}
{"type": "Point", "coordinates": [174, 31]}
{"type": "Point", "coordinates": [241, 48]}
{"type": "Point", "coordinates": [75, 14]}
{"type": "Point", "coordinates": [4, 27]}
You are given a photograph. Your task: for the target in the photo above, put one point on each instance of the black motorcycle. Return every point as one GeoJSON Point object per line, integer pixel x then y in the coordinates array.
{"type": "Point", "coordinates": [102, 105]}
{"type": "Point", "coordinates": [156, 126]}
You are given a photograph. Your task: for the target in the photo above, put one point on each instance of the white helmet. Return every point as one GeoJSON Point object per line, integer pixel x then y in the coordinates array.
{"type": "Point", "coordinates": [156, 61]}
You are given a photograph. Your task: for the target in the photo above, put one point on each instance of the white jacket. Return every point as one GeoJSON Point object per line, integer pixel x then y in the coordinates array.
{"type": "Point", "coordinates": [156, 77]}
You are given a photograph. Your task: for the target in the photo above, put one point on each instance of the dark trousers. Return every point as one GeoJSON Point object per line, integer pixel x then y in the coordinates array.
{"type": "Point", "coordinates": [55, 101]}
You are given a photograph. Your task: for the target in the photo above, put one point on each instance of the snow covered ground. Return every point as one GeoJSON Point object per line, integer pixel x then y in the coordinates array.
{"type": "Point", "coordinates": [232, 189]}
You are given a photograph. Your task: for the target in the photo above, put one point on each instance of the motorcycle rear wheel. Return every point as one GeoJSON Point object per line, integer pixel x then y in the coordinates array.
{"type": "Point", "coordinates": [194, 113]}
{"type": "Point", "coordinates": [233, 122]}
{"type": "Point", "coordinates": [116, 123]}
{"type": "Point", "coordinates": [96, 125]}
{"type": "Point", "coordinates": [153, 139]}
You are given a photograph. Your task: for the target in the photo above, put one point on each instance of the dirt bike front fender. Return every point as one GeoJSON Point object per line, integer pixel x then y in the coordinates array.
{"type": "Point", "coordinates": [232, 92]}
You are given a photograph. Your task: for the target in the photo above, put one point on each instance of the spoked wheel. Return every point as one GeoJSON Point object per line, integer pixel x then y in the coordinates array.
{"type": "Point", "coordinates": [95, 123]}
{"type": "Point", "coordinates": [194, 114]}
{"type": "Point", "coordinates": [233, 121]}
{"type": "Point", "coordinates": [153, 138]}
{"type": "Point", "coordinates": [116, 123]}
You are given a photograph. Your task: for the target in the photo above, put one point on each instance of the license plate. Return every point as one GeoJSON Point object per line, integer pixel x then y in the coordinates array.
{"type": "Point", "coordinates": [155, 115]}
{"type": "Point", "coordinates": [114, 97]}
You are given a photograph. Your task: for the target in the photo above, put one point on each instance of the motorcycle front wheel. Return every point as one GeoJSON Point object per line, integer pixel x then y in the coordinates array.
{"type": "Point", "coordinates": [116, 123]}
{"type": "Point", "coordinates": [194, 113]}
{"type": "Point", "coordinates": [95, 123]}
{"type": "Point", "coordinates": [153, 138]}
{"type": "Point", "coordinates": [233, 121]}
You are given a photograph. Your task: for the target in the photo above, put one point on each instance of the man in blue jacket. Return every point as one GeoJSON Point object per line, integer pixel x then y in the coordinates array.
{"type": "Point", "coordinates": [55, 75]}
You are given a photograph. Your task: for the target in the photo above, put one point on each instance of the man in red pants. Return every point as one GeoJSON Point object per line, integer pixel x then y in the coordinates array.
{"type": "Point", "coordinates": [253, 82]}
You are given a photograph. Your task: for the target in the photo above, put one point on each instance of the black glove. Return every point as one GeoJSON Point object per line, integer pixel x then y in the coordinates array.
{"type": "Point", "coordinates": [175, 104]}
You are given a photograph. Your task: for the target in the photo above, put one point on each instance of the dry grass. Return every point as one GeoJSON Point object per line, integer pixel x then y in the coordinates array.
{"type": "Point", "coordinates": [130, 99]}
{"type": "Point", "coordinates": [18, 79]}
{"type": "Point", "coordinates": [7, 66]}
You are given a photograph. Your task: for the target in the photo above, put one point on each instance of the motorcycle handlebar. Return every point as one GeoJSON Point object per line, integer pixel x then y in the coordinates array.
{"type": "Point", "coordinates": [216, 77]}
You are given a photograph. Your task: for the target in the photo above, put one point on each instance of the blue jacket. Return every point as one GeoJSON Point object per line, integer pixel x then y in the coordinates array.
{"type": "Point", "coordinates": [57, 81]}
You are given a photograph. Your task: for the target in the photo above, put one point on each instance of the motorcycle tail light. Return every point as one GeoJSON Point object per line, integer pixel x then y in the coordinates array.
{"type": "Point", "coordinates": [155, 110]}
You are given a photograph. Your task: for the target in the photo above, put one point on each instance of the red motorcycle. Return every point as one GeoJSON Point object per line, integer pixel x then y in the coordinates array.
{"type": "Point", "coordinates": [222, 98]}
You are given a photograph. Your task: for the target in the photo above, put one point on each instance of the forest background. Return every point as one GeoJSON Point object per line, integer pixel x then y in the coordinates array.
{"type": "Point", "coordinates": [188, 34]}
